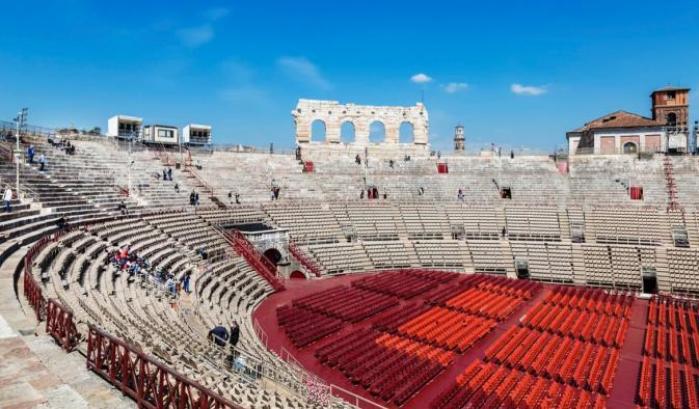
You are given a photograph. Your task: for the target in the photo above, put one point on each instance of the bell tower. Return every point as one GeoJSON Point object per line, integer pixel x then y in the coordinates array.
{"type": "Point", "coordinates": [459, 139]}
{"type": "Point", "coordinates": [671, 107]}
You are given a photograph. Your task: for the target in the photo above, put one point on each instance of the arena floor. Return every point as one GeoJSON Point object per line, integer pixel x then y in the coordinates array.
{"type": "Point", "coordinates": [625, 380]}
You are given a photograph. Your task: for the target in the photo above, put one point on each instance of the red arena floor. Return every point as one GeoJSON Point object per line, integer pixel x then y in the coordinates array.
{"type": "Point", "coordinates": [426, 339]}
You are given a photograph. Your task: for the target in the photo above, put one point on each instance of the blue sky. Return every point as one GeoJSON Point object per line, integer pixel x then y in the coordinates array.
{"type": "Point", "coordinates": [514, 73]}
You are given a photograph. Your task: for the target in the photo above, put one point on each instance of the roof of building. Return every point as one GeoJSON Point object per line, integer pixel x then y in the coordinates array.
{"type": "Point", "coordinates": [619, 119]}
{"type": "Point", "coordinates": [670, 88]}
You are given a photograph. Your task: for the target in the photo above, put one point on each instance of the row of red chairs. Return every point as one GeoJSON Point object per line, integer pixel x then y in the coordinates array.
{"type": "Point", "coordinates": [671, 344]}
{"type": "Point", "coordinates": [392, 319]}
{"type": "Point", "coordinates": [442, 277]}
{"type": "Point", "coordinates": [304, 327]}
{"type": "Point", "coordinates": [564, 359]}
{"type": "Point", "coordinates": [593, 300]}
{"type": "Point", "coordinates": [605, 329]}
{"type": "Point", "coordinates": [485, 303]}
{"type": "Point", "coordinates": [389, 367]}
{"type": "Point", "coordinates": [680, 315]}
{"type": "Point", "coordinates": [398, 283]}
{"type": "Point", "coordinates": [346, 303]}
{"type": "Point", "coordinates": [447, 329]}
{"type": "Point", "coordinates": [486, 385]}
{"type": "Point", "coordinates": [666, 387]}
{"type": "Point", "coordinates": [500, 285]}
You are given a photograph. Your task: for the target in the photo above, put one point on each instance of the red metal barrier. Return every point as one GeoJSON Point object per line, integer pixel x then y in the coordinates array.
{"type": "Point", "coordinates": [32, 290]}
{"type": "Point", "coordinates": [151, 384]}
{"type": "Point", "coordinates": [60, 325]}
{"type": "Point", "coordinates": [303, 259]}
{"type": "Point", "coordinates": [256, 260]}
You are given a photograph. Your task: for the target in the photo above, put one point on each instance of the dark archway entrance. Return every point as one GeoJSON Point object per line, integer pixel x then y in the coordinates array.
{"type": "Point", "coordinates": [273, 255]}
{"type": "Point", "coordinates": [297, 275]}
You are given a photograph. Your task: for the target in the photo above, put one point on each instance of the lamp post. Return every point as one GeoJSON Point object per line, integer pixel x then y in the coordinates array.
{"type": "Point", "coordinates": [20, 122]}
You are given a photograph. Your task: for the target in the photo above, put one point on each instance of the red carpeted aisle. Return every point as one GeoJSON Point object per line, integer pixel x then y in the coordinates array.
{"type": "Point", "coordinates": [626, 378]}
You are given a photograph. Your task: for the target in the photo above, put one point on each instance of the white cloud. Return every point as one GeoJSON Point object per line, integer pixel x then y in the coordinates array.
{"type": "Point", "coordinates": [454, 87]}
{"type": "Point", "coordinates": [196, 36]}
{"type": "Point", "coordinates": [528, 90]}
{"type": "Point", "coordinates": [303, 70]}
{"type": "Point", "coordinates": [421, 78]}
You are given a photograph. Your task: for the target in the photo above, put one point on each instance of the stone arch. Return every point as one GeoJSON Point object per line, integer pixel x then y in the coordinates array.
{"type": "Point", "coordinates": [630, 147]}
{"type": "Point", "coordinates": [348, 132]}
{"type": "Point", "coordinates": [318, 130]}
{"type": "Point", "coordinates": [406, 132]}
{"type": "Point", "coordinates": [377, 131]}
{"type": "Point", "coordinates": [273, 255]}
{"type": "Point", "coordinates": [297, 275]}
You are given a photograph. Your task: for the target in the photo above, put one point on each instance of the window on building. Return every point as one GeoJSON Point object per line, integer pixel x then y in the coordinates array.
{"type": "Point", "coordinates": [671, 95]}
{"type": "Point", "coordinates": [671, 119]}
{"type": "Point", "coordinates": [630, 147]}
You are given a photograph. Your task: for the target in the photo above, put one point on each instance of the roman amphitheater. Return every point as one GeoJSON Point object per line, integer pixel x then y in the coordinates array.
{"type": "Point", "coordinates": [369, 275]}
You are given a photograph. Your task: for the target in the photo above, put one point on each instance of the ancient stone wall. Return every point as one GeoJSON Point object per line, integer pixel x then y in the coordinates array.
{"type": "Point", "coordinates": [334, 115]}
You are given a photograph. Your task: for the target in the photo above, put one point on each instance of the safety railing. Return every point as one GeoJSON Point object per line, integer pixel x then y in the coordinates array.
{"type": "Point", "coordinates": [257, 261]}
{"type": "Point", "coordinates": [59, 319]}
{"type": "Point", "coordinates": [32, 290]}
{"type": "Point", "coordinates": [302, 258]}
{"type": "Point", "coordinates": [60, 325]}
{"type": "Point", "coordinates": [148, 382]}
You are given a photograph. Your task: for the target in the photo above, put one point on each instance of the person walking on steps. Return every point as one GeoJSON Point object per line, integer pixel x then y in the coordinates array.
{"type": "Point", "coordinates": [7, 199]}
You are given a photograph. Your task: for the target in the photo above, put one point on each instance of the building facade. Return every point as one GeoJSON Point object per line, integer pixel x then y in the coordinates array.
{"type": "Point", "coordinates": [624, 132]}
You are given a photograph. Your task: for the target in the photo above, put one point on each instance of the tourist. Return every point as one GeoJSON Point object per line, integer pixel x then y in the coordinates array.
{"type": "Point", "coordinates": [61, 222]}
{"type": "Point", "coordinates": [237, 198]}
{"type": "Point", "coordinates": [358, 160]}
{"type": "Point", "coordinates": [7, 199]}
{"type": "Point", "coordinates": [42, 162]}
{"type": "Point", "coordinates": [177, 188]}
{"type": "Point", "coordinates": [218, 335]}
{"type": "Point", "coordinates": [169, 173]}
{"type": "Point", "coordinates": [122, 207]}
{"type": "Point", "coordinates": [512, 154]}
{"type": "Point", "coordinates": [185, 280]}
{"type": "Point", "coordinates": [361, 194]}
{"type": "Point", "coordinates": [460, 195]}
{"type": "Point", "coordinates": [171, 285]}
{"type": "Point", "coordinates": [30, 153]}
{"type": "Point", "coordinates": [191, 198]}
{"type": "Point", "coordinates": [196, 199]}
{"type": "Point", "coordinates": [235, 334]}
{"type": "Point", "coordinates": [164, 174]}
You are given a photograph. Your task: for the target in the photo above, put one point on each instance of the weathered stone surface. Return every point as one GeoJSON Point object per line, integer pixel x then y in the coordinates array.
{"type": "Point", "coordinates": [333, 114]}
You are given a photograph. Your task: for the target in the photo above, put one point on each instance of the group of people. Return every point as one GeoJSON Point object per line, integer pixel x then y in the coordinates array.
{"type": "Point", "coordinates": [372, 193]}
{"type": "Point", "coordinates": [275, 192]}
{"type": "Point", "coordinates": [222, 336]}
{"type": "Point", "coordinates": [194, 198]}
{"type": "Point", "coordinates": [31, 153]}
{"type": "Point", "coordinates": [125, 260]}
{"type": "Point", "coordinates": [167, 174]}
{"type": "Point", "coordinates": [64, 144]}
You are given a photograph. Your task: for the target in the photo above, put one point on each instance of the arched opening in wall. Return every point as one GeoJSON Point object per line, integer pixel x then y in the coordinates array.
{"type": "Point", "coordinates": [377, 132]}
{"type": "Point", "coordinates": [297, 275]}
{"type": "Point", "coordinates": [672, 119]}
{"type": "Point", "coordinates": [273, 255]}
{"type": "Point", "coordinates": [318, 130]}
{"type": "Point", "coordinates": [406, 133]}
{"type": "Point", "coordinates": [630, 147]}
{"type": "Point", "coordinates": [347, 132]}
